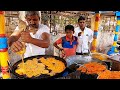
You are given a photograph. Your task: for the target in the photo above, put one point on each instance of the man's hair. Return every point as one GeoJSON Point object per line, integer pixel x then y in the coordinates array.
{"type": "Point", "coordinates": [69, 27]}
{"type": "Point", "coordinates": [81, 18]}
{"type": "Point", "coordinates": [30, 13]}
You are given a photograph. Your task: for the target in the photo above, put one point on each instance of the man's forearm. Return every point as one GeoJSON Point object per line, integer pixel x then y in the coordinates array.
{"type": "Point", "coordinates": [40, 43]}
{"type": "Point", "coordinates": [58, 47]}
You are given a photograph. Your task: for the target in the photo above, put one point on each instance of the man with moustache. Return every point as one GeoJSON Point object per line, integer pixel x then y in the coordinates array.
{"type": "Point", "coordinates": [36, 36]}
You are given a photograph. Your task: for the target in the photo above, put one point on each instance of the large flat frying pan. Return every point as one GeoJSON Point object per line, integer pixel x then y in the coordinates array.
{"type": "Point", "coordinates": [43, 76]}
{"type": "Point", "coordinates": [115, 65]}
{"type": "Point", "coordinates": [73, 62]}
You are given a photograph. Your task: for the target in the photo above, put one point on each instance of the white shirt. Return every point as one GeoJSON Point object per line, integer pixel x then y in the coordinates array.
{"type": "Point", "coordinates": [32, 50]}
{"type": "Point", "coordinates": [83, 40]}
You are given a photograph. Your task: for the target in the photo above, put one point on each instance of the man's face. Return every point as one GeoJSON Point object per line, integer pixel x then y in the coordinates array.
{"type": "Point", "coordinates": [81, 23]}
{"type": "Point", "coordinates": [33, 21]}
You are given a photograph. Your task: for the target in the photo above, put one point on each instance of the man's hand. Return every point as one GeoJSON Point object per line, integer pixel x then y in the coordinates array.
{"type": "Point", "coordinates": [16, 46]}
{"type": "Point", "coordinates": [26, 37]}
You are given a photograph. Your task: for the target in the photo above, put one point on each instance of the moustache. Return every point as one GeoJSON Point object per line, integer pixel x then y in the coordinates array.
{"type": "Point", "coordinates": [33, 25]}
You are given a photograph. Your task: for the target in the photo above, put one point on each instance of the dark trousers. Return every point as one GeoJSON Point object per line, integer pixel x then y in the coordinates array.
{"type": "Point", "coordinates": [82, 53]}
{"type": "Point", "coordinates": [79, 53]}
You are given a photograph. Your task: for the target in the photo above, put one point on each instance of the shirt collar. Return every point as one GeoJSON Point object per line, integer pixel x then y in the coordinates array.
{"type": "Point", "coordinates": [84, 29]}
{"type": "Point", "coordinates": [73, 38]}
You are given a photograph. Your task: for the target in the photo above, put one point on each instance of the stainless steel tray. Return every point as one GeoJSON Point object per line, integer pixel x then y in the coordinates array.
{"type": "Point", "coordinates": [80, 60]}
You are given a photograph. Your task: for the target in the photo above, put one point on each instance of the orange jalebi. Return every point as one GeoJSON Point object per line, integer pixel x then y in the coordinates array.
{"type": "Point", "coordinates": [92, 68]}
{"type": "Point", "coordinates": [107, 74]}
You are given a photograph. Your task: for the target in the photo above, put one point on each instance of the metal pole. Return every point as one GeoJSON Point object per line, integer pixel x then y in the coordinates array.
{"type": "Point", "coordinates": [4, 57]}
{"type": "Point", "coordinates": [97, 19]}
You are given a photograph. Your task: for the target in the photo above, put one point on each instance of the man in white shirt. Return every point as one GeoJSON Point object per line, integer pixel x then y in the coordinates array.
{"type": "Point", "coordinates": [85, 37]}
{"type": "Point", "coordinates": [36, 40]}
